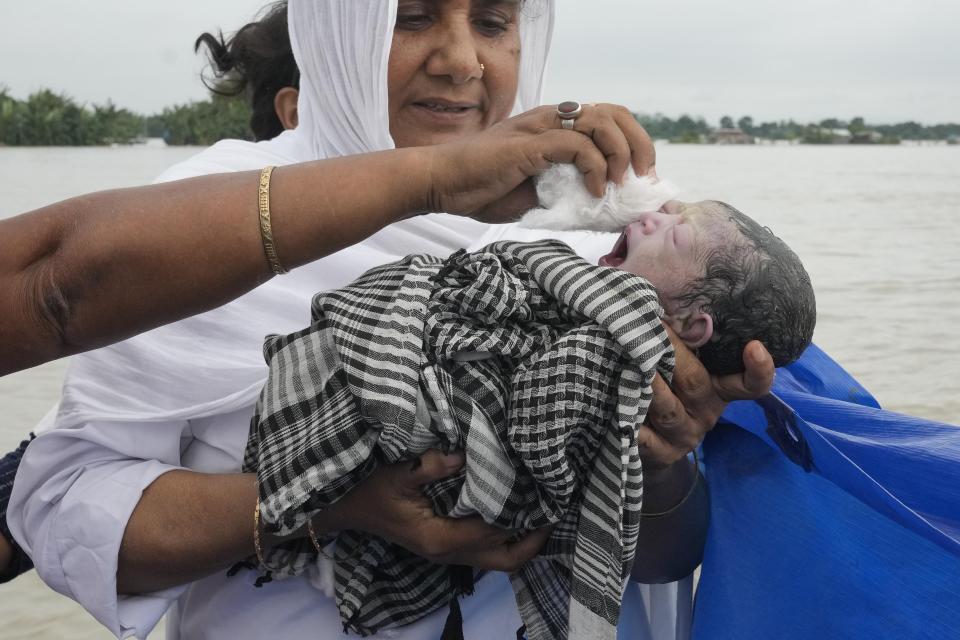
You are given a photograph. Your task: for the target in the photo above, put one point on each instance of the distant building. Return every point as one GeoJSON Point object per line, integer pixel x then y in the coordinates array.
{"type": "Point", "coordinates": [839, 136]}
{"type": "Point", "coordinates": [953, 140]}
{"type": "Point", "coordinates": [731, 135]}
{"type": "Point", "coordinates": [866, 137]}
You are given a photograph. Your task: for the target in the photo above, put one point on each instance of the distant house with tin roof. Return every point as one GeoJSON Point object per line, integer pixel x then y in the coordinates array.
{"type": "Point", "coordinates": [730, 135]}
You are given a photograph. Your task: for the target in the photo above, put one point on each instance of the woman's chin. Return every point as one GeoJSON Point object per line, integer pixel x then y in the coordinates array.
{"type": "Point", "coordinates": [423, 130]}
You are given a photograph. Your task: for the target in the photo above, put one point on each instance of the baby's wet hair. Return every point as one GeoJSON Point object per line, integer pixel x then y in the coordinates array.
{"type": "Point", "coordinates": [754, 288]}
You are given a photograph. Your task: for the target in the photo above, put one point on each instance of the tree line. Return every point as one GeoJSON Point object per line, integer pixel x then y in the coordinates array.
{"type": "Point", "coordinates": [46, 118]}
{"type": "Point", "coordinates": [689, 129]}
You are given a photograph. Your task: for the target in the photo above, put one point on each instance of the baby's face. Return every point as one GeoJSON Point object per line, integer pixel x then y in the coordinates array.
{"type": "Point", "coordinates": [669, 247]}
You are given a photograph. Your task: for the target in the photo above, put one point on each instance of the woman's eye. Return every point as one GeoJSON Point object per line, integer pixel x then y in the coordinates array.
{"type": "Point", "coordinates": [491, 26]}
{"type": "Point", "coordinates": [413, 21]}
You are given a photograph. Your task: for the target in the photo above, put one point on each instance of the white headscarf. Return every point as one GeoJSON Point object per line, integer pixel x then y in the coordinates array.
{"type": "Point", "coordinates": [212, 363]}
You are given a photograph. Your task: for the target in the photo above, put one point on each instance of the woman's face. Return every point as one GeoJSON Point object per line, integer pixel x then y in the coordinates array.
{"type": "Point", "coordinates": [437, 89]}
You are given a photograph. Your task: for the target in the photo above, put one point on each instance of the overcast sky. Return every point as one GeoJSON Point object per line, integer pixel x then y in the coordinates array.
{"type": "Point", "coordinates": [885, 60]}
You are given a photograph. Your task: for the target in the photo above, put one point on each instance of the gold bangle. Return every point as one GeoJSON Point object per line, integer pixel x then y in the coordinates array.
{"type": "Point", "coordinates": [266, 228]}
{"type": "Point", "coordinates": [316, 543]}
{"type": "Point", "coordinates": [693, 487]}
{"type": "Point", "coordinates": [256, 534]}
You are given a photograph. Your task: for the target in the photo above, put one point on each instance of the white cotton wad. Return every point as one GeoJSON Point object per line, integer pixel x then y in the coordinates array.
{"type": "Point", "coordinates": [566, 204]}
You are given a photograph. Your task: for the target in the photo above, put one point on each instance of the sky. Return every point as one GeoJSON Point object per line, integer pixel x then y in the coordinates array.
{"type": "Point", "coordinates": [885, 60]}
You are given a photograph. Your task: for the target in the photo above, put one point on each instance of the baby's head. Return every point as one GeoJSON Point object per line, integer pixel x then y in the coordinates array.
{"type": "Point", "coordinates": [723, 280]}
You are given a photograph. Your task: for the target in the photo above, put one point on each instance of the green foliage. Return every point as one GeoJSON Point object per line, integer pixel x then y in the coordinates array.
{"type": "Point", "coordinates": [683, 129]}
{"type": "Point", "coordinates": [202, 123]}
{"type": "Point", "coordinates": [686, 129]}
{"type": "Point", "coordinates": [46, 118]}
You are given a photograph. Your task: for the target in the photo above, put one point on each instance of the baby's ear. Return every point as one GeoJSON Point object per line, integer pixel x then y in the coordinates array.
{"type": "Point", "coordinates": [695, 329]}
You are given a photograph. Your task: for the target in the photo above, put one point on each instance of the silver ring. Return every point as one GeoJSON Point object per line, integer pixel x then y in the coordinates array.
{"type": "Point", "coordinates": [568, 112]}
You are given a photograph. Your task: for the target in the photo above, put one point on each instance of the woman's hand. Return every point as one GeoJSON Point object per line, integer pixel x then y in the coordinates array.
{"type": "Point", "coordinates": [680, 415]}
{"type": "Point", "coordinates": [488, 176]}
{"type": "Point", "coordinates": [6, 552]}
{"type": "Point", "coordinates": [390, 504]}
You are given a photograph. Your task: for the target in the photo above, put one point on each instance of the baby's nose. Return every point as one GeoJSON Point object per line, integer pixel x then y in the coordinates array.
{"type": "Point", "coordinates": [651, 221]}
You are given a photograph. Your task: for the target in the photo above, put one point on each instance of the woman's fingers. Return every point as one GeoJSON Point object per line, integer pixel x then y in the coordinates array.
{"type": "Point", "coordinates": [618, 136]}
{"type": "Point", "coordinates": [608, 137]}
{"type": "Point", "coordinates": [692, 385]}
{"type": "Point", "coordinates": [565, 146]}
{"type": "Point", "coordinates": [508, 556]}
{"type": "Point", "coordinates": [485, 175]}
{"type": "Point", "coordinates": [643, 154]}
{"type": "Point", "coordinates": [756, 379]}
{"type": "Point", "coordinates": [681, 414]}
{"type": "Point", "coordinates": [430, 466]}
{"type": "Point", "coordinates": [390, 503]}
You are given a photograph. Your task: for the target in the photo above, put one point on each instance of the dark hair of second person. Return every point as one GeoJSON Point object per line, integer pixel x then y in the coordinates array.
{"type": "Point", "coordinates": [256, 62]}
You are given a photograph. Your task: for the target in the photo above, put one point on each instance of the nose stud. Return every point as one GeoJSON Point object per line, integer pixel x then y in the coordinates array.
{"type": "Point", "coordinates": [482, 69]}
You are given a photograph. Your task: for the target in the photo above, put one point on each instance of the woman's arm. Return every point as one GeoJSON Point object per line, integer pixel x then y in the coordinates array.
{"type": "Point", "coordinates": [188, 525]}
{"type": "Point", "coordinates": [670, 546]}
{"type": "Point", "coordinates": [95, 269]}
{"type": "Point", "coordinates": [5, 552]}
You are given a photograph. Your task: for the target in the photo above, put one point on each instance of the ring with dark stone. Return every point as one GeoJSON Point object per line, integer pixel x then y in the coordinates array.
{"type": "Point", "coordinates": [568, 112]}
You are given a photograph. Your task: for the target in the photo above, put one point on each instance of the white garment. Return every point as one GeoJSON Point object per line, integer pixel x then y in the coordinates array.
{"type": "Point", "coordinates": [181, 396]}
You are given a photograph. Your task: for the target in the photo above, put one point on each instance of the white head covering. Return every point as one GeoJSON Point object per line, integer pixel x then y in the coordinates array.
{"type": "Point", "coordinates": [212, 363]}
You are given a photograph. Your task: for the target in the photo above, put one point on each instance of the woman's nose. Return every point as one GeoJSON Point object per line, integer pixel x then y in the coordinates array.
{"type": "Point", "coordinates": [455, 54]}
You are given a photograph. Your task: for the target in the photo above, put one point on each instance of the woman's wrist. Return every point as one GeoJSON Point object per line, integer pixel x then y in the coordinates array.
{"type": "Point", "coordinates": [6, 553]}
{"type": "Point", "coordinates": [665, 487]}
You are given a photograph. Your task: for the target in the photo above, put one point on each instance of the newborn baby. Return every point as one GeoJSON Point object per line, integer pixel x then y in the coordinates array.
{"type": "Point", "coordinates": [723, 280]}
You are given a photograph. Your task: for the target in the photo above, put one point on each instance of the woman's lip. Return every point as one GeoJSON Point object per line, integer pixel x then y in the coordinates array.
{"type": "Point", "coordinates": [444, 102]}
{"type": "Point", "coordinates": [465, 113]}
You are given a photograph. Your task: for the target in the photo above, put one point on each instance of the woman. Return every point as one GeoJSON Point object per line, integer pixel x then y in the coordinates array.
{"type": "Point", "coordinates": [67, 268]}
{"type": "Point", "coordinates": [110, 503]}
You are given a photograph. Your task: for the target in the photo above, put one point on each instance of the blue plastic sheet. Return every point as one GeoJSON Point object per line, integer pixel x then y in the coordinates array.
{"type": "Point", "coordinates": [830, 517]}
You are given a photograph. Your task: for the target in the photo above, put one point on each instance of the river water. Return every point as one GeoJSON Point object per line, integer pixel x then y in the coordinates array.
{"type": "Point", "coordinates": [877, 227]}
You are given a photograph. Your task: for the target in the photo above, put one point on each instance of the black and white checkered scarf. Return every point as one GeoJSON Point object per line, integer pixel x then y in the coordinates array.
{"type": "Point", "coordinates": [546, 409]}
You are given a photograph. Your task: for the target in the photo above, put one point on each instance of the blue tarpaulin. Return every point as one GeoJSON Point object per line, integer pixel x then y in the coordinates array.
{"type": "Point", "coordinates": [830, 517]}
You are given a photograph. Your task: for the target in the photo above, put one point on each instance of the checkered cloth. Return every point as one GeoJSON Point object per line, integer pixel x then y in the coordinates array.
{"type": "Point", "coordinates": [546, 407]}
{"type": "Point", "coordinates": [19, 562]}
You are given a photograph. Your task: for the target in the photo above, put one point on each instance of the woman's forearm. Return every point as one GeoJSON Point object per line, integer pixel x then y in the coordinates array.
{"type": "Point", "coordinates": [5, 554]}
{"type": "Point", "coordinates": [91, 270]}
{"type": "Point", "coordinates": [671, 546]}
{"type": "Point", "coordinates": [186, 526]}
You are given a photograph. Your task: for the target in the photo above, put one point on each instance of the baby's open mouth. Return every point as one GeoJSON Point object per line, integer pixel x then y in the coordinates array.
{"type": "Point", "coordinates": [619, 253]}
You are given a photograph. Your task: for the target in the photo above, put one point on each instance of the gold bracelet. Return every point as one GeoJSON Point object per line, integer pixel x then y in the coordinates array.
{"type": "Point", "coordinates": [256, 533]}
{"type": "Point", "coordinates": [266, 228]}
{"type": "Point", "coordinates": [693, 487]}
{"type": "Point", "coordinates": [316, 543]}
